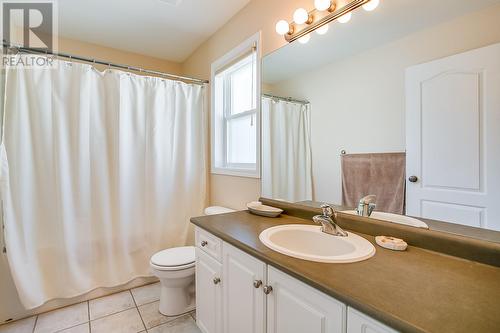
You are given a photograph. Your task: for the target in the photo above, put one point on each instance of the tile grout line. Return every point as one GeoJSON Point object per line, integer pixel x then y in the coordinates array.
{"type": "Point", "coordinates": [174, 318]}
{"type": "Point", "coordinates": [88, 309]}
{"type": "Point", "coordinates": [67, 328]}
{"type": "Point", "coordinates": [111, 314]}
{"type": "Point", "coordinates": [34, 325]}
{"type": "Point", "coordinates": [137, 308]}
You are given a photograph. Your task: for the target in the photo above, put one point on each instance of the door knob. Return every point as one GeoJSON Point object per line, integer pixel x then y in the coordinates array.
{"type": "Point", "coordinates": [257, 283]}
{"type": "Point", "coordinates": [267, 290]}
{"type": "Point", "coordinates": [204, 243]}
{"type": "Point", "coordinates": [413, 179]}
{"type": "Point", "coordinates": [216, 280]}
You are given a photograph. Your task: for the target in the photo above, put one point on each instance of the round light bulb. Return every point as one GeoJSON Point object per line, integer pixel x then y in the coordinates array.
{"type": "Point", "coordinates": [300, 16]}
{"type": "Point", "coordinates": [322, 30]}
{"type": "Point", "coordinates": [282, 27]}
{"type": "Point", "coordinates": [345, 18]}
{"type": "Point", "coordinates": [304, 39]}
{"type": "Point", "coordinates": [322, 4]}
{"type": "Point", "coordinates": [369, 6]}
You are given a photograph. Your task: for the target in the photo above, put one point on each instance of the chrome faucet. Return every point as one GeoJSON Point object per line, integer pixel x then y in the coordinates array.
{"type": "Point", "coordinates": [328, 221]}
{"type": "Point", "coordinates": [366, 205]}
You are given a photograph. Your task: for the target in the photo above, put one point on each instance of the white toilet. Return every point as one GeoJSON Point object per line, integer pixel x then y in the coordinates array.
{"type": "Point", "coordinates": [175, 268]}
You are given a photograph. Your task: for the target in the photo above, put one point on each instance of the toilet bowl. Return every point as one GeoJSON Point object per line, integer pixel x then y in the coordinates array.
{"type": "Point", "coordinates": [175, 268]}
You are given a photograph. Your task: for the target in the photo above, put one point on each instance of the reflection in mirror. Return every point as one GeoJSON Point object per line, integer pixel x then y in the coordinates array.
{"type": "Point", "coordinates": [286, 149]}
{"type": "Point", "coordinates": [389, 125]}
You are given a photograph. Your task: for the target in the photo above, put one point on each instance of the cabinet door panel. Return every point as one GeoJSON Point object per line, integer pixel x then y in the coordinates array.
{"type": "Point", "coordinates": [243, 302]}
{"type": "Point", "coordinates": [361, 323]}
{"type": "Point", "coordinates": [208, 293]}
{"type": "Point", "coordinates": [294, 307]}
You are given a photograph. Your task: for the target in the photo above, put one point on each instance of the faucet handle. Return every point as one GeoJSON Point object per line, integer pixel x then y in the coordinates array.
{"type": "Point", "coordinates": [371, 207]}
{"type": "Point", "coordinates": [327, 210]}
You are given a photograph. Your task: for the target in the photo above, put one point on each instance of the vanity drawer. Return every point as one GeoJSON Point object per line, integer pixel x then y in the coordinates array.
{"type": "Point", "coordinates": [208, 243]}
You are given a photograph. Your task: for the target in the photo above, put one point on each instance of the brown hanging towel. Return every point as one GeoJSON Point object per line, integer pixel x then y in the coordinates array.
{"type": "Point", "coordinates": [382, 174]}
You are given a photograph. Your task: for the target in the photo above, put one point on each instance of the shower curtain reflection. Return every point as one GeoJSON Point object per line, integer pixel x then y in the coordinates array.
{"type": "Point", "coordinates": [286, 150]}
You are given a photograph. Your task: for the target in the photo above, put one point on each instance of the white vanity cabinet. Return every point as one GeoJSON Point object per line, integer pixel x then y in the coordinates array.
{"type": "Point", "coordinates": [208, 293]}
{"type": "Point", "coordinates": [294, 307]}
{"type": "Point", "coordinates": [236, 292]}
{"type": "Point", "coordinates": [358, 322]}
{"type": "Point", "coordinates": [244, 303]}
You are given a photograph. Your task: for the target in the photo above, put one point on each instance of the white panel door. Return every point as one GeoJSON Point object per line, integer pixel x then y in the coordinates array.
{"type": "Point", "coordinates": [244, 302]}
{"type": "Point", "coordinates": [208, 293]}
{"type": "Point", "coordinates": [294, 307]}
{"type": "Point", "coordinates": [453, 138]}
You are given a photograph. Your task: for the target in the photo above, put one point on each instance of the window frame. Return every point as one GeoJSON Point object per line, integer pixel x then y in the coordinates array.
{"type": "Point", "coordinates": [235, 169]}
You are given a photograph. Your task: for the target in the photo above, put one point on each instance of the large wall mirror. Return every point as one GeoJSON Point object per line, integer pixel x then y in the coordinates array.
{"type": "Point", "coordinates": [387, 106]}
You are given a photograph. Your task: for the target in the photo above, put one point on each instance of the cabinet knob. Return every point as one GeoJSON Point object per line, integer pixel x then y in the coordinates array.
{"type": "Point", "coordinates": [257, 283]}
{"type": "Point", "coordinates": [413, 179]}
{"type": "Point", "coordinates": [216, 280]}
{"type": "Point", "coordinates": [267, 290]}
{"type": "Point", "coordinates": [204, 243]}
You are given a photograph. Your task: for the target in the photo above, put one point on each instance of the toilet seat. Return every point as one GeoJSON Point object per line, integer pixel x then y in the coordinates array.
{"type": "Point", "coordinates": [172, 268]}
{"type": "Point", "coordinates": [174, 259]}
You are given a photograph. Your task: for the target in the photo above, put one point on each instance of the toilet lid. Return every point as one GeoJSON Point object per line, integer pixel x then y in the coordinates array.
{"type": "Point", "coordinates": [177, 256]}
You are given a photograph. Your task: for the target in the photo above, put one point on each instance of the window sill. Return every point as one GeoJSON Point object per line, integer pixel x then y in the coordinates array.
{"type": "Point", "coordinates": [236, 172]}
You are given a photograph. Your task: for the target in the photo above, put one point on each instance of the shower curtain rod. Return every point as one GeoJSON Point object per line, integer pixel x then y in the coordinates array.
{"type": "Point", "coordinates": [105, 63]}
{"type": "Point", "coordinates": [286, 99]}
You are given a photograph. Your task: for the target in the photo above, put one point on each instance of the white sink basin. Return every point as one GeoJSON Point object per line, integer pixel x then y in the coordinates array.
{"type": "Point", "coordinates": [394, 218]}
{"type": "Point", "coordinates": [308, 242]}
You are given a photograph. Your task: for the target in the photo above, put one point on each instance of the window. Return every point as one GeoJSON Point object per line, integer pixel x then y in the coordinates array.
{"type": "Point", "coordinates": [236, 111]}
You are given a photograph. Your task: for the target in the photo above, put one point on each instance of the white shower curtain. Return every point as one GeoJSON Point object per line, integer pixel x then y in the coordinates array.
{"type": "Point", "coordinates": [99, 171]}
{"type": "Point", "coordinates": [286, 150]}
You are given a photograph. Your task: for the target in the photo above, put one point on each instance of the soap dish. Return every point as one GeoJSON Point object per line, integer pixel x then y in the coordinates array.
{"type": "Point", "coordinates": [258, 208]}
{"type": "Point", "coordinates": [391, 243]}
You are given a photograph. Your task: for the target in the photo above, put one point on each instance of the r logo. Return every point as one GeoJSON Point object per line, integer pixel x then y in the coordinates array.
{"type": "Point", "coordinates": [28, 24]}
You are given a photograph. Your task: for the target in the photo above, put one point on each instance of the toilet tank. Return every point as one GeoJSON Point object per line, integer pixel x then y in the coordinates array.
{"type": "Point", "coordinates": [213, 210]}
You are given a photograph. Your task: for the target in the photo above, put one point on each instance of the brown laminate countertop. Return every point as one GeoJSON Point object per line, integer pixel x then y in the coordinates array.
{"type": "Point", "coordinates": [412, 291]}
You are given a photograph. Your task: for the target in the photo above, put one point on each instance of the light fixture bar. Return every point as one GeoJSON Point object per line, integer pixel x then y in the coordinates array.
{"type": "Point", "coordinates": [329, 17]}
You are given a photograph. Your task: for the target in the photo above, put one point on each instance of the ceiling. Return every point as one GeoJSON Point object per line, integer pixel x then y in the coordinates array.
{"type": "Point", "coordinates": [393, 19]}
{"type": "Point", "coordinates": [167, 29]}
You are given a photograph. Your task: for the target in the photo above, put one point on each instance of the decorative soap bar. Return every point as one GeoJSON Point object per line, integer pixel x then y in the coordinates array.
{"type": "Point", "coordinates": [391, 243]}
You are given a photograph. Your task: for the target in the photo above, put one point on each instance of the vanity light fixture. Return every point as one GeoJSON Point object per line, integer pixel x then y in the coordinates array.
{"type": "Point", "coordinates": [322, 4]}
{"type": "Point", "coordinates": [301, 16]}
{"type": "Point", "coordinates": [325, 11]}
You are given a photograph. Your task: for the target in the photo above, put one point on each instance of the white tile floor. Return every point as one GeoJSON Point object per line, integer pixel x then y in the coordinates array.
{"type": "Point", "coordinates": [130, 311]}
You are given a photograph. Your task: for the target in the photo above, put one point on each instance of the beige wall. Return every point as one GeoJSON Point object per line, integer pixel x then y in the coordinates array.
{"type": "Point", "coordinates": [358, 104]}
{"type": "Point", "coordinates": [10, 305]}
{"type": "Point", "coordinates": [120, 57]}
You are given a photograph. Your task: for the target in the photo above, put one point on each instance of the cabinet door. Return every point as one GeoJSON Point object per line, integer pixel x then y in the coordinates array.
{"type": "Point", "coordinates": [243, 298]}
{"type": "Point", "coordinates": [294, 307]}
{"type": "Point", "coordinates": [208, 293]}
{"type": "Point", "coordinates": [361, 323]}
